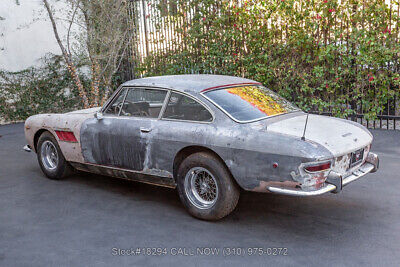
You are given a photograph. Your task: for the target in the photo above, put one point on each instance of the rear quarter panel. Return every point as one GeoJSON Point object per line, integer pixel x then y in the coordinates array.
{"type": "Point", "coordinates": [248, 150]}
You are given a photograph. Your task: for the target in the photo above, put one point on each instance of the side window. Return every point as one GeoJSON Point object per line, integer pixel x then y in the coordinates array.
{"type": "Point", "coordinates": [181, 107]}
{"type": "Point", "coordinates": [141, 102]}
{"type": "Point", "coordinates": [116, 105]}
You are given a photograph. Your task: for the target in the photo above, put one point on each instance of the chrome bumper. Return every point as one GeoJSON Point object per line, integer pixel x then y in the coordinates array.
{"type": "Point", "coordinates": [27, 148]}
{"type": "Point", "coordinates": [334, 182]}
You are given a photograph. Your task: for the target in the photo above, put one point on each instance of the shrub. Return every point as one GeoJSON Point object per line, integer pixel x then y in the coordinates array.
{"type": "Point", "coordinates": [323, 55]}
{"type": "Point", "coordinates": [44, 89]}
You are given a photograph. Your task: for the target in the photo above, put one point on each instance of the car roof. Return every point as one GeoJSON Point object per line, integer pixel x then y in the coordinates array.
{"type": "Point", "coordinates": [189, 82]}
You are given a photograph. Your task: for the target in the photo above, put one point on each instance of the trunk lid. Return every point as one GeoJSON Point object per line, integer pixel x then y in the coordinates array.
{"type": "Point", "coordinates": [339, 136]}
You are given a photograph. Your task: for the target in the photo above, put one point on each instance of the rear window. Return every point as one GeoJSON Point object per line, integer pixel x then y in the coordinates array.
{"type": "Point", "coordinates": [248, 103]}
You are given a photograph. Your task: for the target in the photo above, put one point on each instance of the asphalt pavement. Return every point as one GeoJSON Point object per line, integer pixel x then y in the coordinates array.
{"type": "Point", "coordinates": [91, 220]}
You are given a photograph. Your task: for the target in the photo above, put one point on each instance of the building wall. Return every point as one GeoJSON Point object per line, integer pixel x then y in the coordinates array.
{"type": "Point", "coordinates": [26, 33]}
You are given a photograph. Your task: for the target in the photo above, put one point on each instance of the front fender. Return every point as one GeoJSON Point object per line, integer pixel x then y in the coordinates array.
{"type": "Point", "coordinates": [72, 122]}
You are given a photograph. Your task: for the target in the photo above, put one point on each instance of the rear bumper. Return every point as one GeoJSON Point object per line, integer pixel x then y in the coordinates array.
{"type": "Point", "coordinates": [334, 182]}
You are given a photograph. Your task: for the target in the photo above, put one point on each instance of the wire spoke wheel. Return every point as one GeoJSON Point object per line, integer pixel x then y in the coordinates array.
{"type": "Point", "coordinates": [201, 187]}
{"type": "Point", "coordinates": [49, 155]}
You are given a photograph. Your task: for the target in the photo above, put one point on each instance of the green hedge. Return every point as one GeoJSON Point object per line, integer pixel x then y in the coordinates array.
{"type": "Point", "coordinates": [322, 55]}
{"type": "Point", "coordinates": [44, 89]}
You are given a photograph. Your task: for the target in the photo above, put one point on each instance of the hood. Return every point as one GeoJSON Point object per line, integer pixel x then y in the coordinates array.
{"type": "Point", "coordinates": [339, 136]}
{"type": "Point", "coordinates": [85, 111]}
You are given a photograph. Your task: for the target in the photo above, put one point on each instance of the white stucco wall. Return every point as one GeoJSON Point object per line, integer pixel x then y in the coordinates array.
{"type": "Point", "coordinates": [28, 34]}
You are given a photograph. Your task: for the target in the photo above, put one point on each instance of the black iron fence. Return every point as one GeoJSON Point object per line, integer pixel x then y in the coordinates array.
{"type": "Point", "coordinates": [388, 119]}
{"type": "Point", "coordinates": [388, 122]}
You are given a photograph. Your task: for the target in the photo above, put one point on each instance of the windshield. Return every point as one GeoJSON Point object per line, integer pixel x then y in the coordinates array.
{"type": "Point", "coordinates": [248, 103]}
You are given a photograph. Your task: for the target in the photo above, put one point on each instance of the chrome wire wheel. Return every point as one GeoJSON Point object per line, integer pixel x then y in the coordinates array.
{"type": "Point", "coordinates": [49, 155]}
{"type": "Point", "coordinates": [201, 187]}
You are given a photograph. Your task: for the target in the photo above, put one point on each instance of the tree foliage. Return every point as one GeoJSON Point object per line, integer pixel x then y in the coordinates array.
{"type": "Point", "coordinates": [325, 55]}
{"type": "Point", "coordinates": [101, 42]}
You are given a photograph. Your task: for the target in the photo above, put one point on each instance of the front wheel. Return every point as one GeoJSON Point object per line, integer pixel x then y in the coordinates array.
{"type": "Point", "coordinates": [51, 159]}
{"type": "Point", "coordinates": [206, 187]}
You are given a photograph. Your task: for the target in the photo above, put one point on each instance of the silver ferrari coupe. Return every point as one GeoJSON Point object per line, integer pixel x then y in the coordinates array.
{"type": "Point", "coordinates": [208, 136]}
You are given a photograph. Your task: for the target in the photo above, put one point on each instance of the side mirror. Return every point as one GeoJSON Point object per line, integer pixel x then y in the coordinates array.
{"type": "Point", "coordinates": [99, 115]}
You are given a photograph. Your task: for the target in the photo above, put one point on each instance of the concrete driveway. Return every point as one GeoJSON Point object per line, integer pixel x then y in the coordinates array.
{"type": "Point", "coordinates": [90, 220]}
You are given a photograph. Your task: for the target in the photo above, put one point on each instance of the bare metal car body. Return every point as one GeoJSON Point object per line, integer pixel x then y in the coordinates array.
{"type": "Point", "coordinates": [263, 155]}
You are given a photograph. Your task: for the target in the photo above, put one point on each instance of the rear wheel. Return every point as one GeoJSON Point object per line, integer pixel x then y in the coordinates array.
{"type": "Point", "coordinates": [206, 187]}
{"type": "Point", "coordinates": [51, 159]}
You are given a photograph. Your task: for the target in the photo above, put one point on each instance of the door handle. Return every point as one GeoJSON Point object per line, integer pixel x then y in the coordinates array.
{"type": "Point", "coordinates": [145, 130]}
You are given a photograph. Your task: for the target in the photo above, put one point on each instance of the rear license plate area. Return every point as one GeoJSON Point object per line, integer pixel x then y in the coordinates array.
{"type": "Point", "coordinates": [356, 157]}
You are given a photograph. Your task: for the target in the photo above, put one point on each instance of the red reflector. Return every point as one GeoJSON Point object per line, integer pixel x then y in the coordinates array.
{"type": "Point", "coordinates": [66, 136]}
{"type": "Point", "coordinates": [317, 168]}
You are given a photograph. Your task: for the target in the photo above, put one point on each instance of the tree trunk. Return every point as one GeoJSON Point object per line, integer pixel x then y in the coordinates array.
{"type": "Point", "coordinates": [67, 58]}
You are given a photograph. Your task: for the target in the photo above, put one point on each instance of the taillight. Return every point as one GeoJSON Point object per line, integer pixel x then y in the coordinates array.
{"type": "Point", "coordinates": [66, 136]}
{"type": "Point", "coordinates": [318, 167]}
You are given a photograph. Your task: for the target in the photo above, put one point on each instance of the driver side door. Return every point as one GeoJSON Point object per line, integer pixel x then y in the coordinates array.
{"type": "Point", "coordinates": [122, 138]}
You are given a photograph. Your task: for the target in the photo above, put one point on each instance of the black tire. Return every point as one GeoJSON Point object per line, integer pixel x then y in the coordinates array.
{"type": "Point", "coordinates": [228, 191]}
{"type": "Point", "coordinates": [61, 168]}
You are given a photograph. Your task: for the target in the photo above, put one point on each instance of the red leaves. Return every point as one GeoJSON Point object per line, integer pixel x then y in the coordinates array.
{"type": "Point", "coordinates": [387, 30]}
{"type": "Point", "coordinates": [326, 86]}
{"type": "Point", "coordinates": [371, 78]}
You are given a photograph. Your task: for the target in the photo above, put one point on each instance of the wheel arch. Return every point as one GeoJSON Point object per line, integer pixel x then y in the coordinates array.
{"type": "Point", "coordinates": [189, 150]}
{"type": "Point", "coordinates": [37, 135]}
